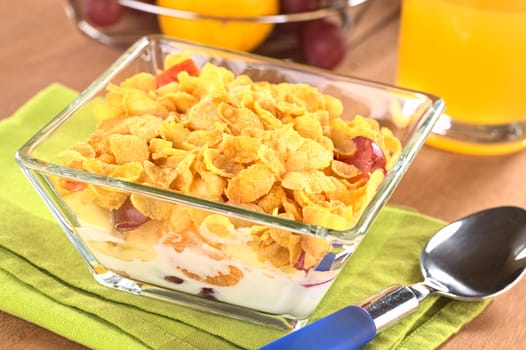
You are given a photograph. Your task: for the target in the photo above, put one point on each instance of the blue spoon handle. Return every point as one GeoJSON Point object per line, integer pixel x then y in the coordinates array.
{"type": "Point", "coordinates": [348, 328]}
{"type": "Point", "coordinates": [355, 325]}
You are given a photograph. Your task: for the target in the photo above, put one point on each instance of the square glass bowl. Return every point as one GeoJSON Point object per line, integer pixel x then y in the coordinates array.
{"type": "Point", "coordinates": [217, 272]}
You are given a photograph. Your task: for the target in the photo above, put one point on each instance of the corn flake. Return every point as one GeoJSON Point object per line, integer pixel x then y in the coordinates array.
{"type": "Point", "coordinates": [308, 181]}
{"type": "Point", "coordinates": [250, 184]}
{"type": "Point", "coordinates": [241, 149]}
{"type": "Point", "coordinates": [128, 148]}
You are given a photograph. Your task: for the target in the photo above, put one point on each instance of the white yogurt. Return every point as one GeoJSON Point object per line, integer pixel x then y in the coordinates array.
{"type": "Point", "coordinates": [262, 286]}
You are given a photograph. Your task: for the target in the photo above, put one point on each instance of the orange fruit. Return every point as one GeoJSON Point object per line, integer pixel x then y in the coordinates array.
{"type": "Point", "coordinates": [242, 36]}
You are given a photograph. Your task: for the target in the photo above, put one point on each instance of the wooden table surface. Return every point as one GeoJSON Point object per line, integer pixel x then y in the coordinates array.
{"type": "Point", "coordinates": [40, 45]}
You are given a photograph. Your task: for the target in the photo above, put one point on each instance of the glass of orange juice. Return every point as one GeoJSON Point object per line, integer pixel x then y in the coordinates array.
{"type": "Point", "coordinates": [471, 53]}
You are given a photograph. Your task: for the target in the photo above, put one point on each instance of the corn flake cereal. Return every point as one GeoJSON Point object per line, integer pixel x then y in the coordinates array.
{"type": "Point", "coordinates": [281, 149]}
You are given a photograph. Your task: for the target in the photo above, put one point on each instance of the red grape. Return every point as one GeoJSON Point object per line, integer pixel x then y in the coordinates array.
{"type": "Point", "coordinates": [368, 156]}
{"type": "Point", "coordinates": [323, 43]}
{"type": "Point", "coordinates": [102, 13]}
{"type": "Point", "coordinates": [127, 217]}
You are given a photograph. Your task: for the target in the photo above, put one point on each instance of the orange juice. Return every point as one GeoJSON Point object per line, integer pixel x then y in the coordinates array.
{"type": "Point", "coordinates": [471, 53]}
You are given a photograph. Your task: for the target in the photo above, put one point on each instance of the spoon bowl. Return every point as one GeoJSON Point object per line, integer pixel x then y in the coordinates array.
{"type": "Point", "coordinates": [477, 257]}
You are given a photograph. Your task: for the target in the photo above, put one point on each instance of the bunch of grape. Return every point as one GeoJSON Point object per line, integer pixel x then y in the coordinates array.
{"type": "Point", "coordinates": [323, 41]}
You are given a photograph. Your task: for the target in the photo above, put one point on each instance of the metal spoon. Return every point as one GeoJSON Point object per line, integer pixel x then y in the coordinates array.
{"type": "Point", "coordinates": [474, 258]}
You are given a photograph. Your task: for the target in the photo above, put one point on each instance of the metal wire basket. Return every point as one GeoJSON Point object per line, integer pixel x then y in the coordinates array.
{"type": "Point", "coordinates": [139, 18]}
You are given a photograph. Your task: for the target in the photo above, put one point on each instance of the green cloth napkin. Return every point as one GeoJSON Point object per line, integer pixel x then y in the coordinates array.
{"type": "Point", "coordinates": [44, 280]}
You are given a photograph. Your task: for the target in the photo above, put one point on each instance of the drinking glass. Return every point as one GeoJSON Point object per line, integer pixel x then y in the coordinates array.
{"type": "Point", "coordinates": [472, 54]}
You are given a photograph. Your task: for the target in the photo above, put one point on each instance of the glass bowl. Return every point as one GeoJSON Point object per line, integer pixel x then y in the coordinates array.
{"type": "Point", "coordinates": [218, 270]}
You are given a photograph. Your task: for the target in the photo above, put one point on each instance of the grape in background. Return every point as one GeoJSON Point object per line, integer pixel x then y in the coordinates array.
{"type": "Point", "coordinates": [102, 13]}
{"type": "Point", "coordinates": [322, 41]}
